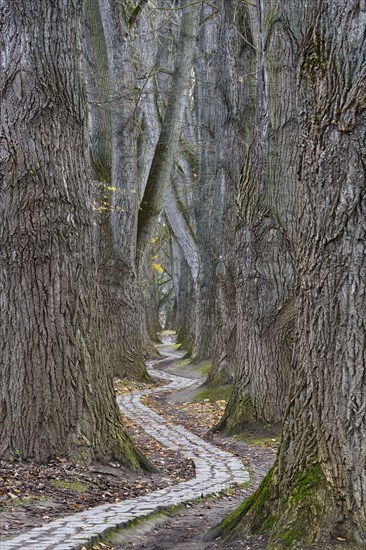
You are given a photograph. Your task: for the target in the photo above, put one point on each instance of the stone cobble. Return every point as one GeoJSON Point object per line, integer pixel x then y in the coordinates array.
{"type": "Point", "coordinates": [215, 470]}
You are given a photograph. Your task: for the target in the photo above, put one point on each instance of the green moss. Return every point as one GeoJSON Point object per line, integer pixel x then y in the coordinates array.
{"type": "Point", "coordinates": [258, 442]}
{"type": "Point", "coordinates": [309, 512]}
{"type": "Point", "coordinates": [288, 538]}
{"type": "Point", "coordinates": [27, 500]}
{"type": "Point", "coordinates": [217, 378]}
{"type": "Point", "coordinates": [268, 523]}
{"type": "Point", "coordinates": [175, 346]}
{"type": "Point", "coordinates": [258, 501]}
{"type": "Point", "coordinates": [313, 479]}
{"type": "Point", "coordinates": [183, 363]}
{"type": "Point", "coordinates": [304, 514]}
{"type": "Point", "coordinates": [221, 393]}
{"type": "Point", "coordinates": [75, 486]}
{"type": "Point", "coordinates": [188, 354]}
{"type": "Point", "coordinates": [205, 367]}
{"type": "Point", "coordinates": [131, 456]}
{"type": "Point", "coordinates": [124, 383]}
{"type": "Point", "coordinates": [238, 413]}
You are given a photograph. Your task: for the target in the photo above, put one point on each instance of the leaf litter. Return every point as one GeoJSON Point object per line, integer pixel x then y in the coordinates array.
{"type": "Point", "coordinates": [33, 494]}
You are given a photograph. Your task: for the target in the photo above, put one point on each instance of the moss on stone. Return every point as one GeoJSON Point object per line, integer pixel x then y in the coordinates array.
{"type": "Point", "coordinates": [27, 500]}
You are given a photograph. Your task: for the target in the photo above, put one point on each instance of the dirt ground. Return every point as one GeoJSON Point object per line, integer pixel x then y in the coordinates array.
{"type": "Point", "coordinates": [31, 495]}
{"type": "Point", "coordinates": [188, 527]}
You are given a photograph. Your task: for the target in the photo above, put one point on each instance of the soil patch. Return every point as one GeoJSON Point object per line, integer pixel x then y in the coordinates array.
{"type": "Point", "coordinates": [32, 494]}
{"type": "Point", "coordinates": [188, 527]}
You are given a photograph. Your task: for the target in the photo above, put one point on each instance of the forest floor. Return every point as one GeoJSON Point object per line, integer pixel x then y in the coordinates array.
{"type": "Point", "coordinates": [198, 409]}
{"type": "Point", "coordinates": [188, 527]}
{"type": "Point", "coordinates": [31, 495]}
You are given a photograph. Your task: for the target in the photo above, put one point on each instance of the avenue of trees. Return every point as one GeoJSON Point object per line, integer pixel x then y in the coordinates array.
{"type": "Point", "coordinates": [199, 165]}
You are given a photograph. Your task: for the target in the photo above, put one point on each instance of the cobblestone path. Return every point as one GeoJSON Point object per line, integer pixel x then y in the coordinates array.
{"type": "Point", "coordinates": [215, 470]}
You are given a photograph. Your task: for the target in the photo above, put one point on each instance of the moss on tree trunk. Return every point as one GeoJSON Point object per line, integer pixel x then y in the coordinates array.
{"type": "Point", "coordinates": [308, 513]}
{"type": "Point", "coordinates": [239, 411]}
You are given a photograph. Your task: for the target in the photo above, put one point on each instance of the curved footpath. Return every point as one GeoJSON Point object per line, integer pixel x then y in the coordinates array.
{"type": "Point", "coordinates": [215, 469]}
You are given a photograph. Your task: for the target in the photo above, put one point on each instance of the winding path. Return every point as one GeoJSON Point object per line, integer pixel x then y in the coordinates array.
{"type": "Point", "coordinates": [215, 469]}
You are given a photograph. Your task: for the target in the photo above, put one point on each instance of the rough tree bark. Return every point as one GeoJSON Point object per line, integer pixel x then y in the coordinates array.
{"type": "Point", "coordinates": [55, 396]}
{"type": "Point", "coordinates": [317, 489]}
{"type": "Point", "coordinates": [178, 220]}
{"type": "Point", "coordinates": [178, 207]}
{"type": "Point", "coordinates": [265, 248]}
{"type": "Point", "coordinates": [152, 40]}
{"type": "Point", "coordinates": [125, 323]}
{"type": "Point", "coordinates": [234, 111]}
{"type": "Point", "coordinates": [203, 199]}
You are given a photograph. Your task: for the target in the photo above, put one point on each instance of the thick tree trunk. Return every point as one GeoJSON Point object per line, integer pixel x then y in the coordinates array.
{"type": "Point", "coordinates": [265, 256]}
{"type": "Point", "coordinates": [317, 489]}
{"type": "Point", "coordinates": [99, 98]}
{"type": "Point", "coordinates": [125, 323]}
{"type": "Point", "coordinates": [234, 111]}
{"type": "Point", "coordinates": [56, 397]}
{"type": "Point", "coordinates": [151, 29]}
{"type": "Point", "coordinates": [203, 194]}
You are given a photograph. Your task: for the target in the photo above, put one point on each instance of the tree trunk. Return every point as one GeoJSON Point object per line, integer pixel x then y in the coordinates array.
{"type": "Point", "coordinates": [234, 111]}
{"type": "Point", "coordinates": [203, 199]}
{"type": "Point", "coordinates": [151, 294]}
{"type": "Point", "coordinates": [124, 315]}
{"type": "Point", "coordinates": [177, 217]}
{"type": "Point", "coordinates": [317, 489]}
{"type": "Point", "coordinates": [265, 248]}
{"type": "Point", "coordinates": [184, 294]}
{"type": "Point", "coordinates": [166, 148]}
{"type": "Point", "coordinates": [56, 397]}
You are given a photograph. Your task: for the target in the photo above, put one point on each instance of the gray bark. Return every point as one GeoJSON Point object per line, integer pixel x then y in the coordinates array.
{"type": "Point", "coordinates": [162, 163]}
{"type": "Point", "coordinates": [55, 396]}
{"type": "Point", "coordinates": [155, 45]}
{"type": "Point", "coordinates": [184, 318]}
{"type": "Point", "coordinates": [317, 489]}
{"type": "Point", "coordinates": [265, 247]}
{"type": "Point", "coordinates": [234, 112]}
{"type": "Point", "coordinates": [203, 194]}
{"type": "Point", "coordinates": [125, 322]}
{"type": "Point", "coordinates": [177, 216]}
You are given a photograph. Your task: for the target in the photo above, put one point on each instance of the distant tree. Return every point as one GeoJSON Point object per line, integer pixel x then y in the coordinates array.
{"type": "Point", "coordinates": [167, 145]}
{"type": "Point", "coordinates": [56, 397]}
{"type": "Point", "coordinates": [203, 189]}
{"type": "Point", "coordinates": [317, 488]}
